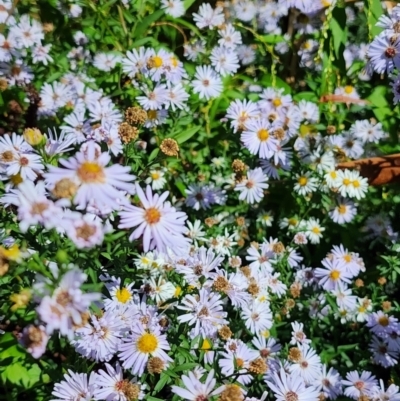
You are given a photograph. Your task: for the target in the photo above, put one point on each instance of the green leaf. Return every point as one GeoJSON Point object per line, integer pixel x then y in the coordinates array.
{"type": "Point", "coordinates": [164, 379]}
{"type": "Point", "coordinates": [378, 96]}
{"type": "Point", "coordinates": [154, 154]}
{"type": "Point", "coordinates": [373, 15]}
{"type": "Point", "coordinates": [188, 3]}
{"type": "Point", "coordinates": [186, 135]}
{"type": "Point", "coordinates": [14, 373]}
{"type": "Point", "coordinates": [146, 22]}
{"type": "Point", "coordinates": [338, 29]}
{"type": "Point", "coordinates": [186, 366]}
{"type": "Point", "coordinates": [181, 186]}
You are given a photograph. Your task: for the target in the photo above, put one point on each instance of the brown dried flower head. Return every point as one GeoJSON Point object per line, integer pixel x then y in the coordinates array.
{"type": "Point", "coordinates": [127, 133]}
{"type": "Point", "coordinates": [169, 147]}
{"type": "Point", "coordinates": [135, 115]}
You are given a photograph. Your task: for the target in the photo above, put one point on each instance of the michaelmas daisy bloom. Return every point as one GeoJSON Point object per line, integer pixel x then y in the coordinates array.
{"type": "Point", "coordinates": [196, 390]}
{"type": "Point", "coordinates": [137, 348]}
{"type": "Point", "coordinates": [252, 188]}
{"type": "Point", "coordinates": [95, 181]}
{"type": "Point", "coordinates": [111, 385]}
{"type": "Point", "coordinates": [159, 223]}
{"type": "Point", "coordinates": [75, 386]}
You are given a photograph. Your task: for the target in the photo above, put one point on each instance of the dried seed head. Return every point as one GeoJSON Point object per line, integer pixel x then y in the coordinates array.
{"type": "Point", "coordinates": [386, 305]}
{"type": "Point", "coordinates": [232, 392]}
{"type": "Point", "coordinates": [295, 289]}
{"type": "Point", "coordinates": [359, 283]}
{"type": "Point", "coordinates": [135, 115]}
{"type": "Point", "coordinates": [295, 354]}
{"type": "Point", "coordinates": [238, 166]}
{"type": "Point", "coordinates": [65, 188]}
{"type": "Point", "coordinates": [3, 84]}
{"type": "Point", "coordinates": [258, 366]}
{"type": "Point", "coordinates": [225, 332]}
{"type": "Point", "coordinates": [221, 284]}
{"type": "Point", "coordinates": [169, 147]}
{"type": "Point", "coordinates": [127, 133]}
{"type": "Point", "coordinates": [278, 248]}
{"type": "Point", "coordinates": [155, 365]}
{"type": "Point", "coordinates": [330, 129]}
{"type": "Point", "coordinates": [382, 280]}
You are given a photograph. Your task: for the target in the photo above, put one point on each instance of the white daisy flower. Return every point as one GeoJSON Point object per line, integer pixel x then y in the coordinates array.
{"type": "Point", "coordinates": [259, 139]}
{"type": "Point", "coordinates": [333, 274]}
{"type": "Point", "coordinates": [252, 188]}
{"type": "Point", "coordinates": [196, 390]}
{"type": "Point", "coordinates": [159, 223]}
{"type": "Point", "coordinates": [207, 83]}
{"type": "Point", "coordinates": [174, 8]}
{"type": "Point", "coordinates": [75, 386]}
{"type": "Point", "coordinates": [305, 184]}
{"type": "Point", "coordinates": [224, 60]}
{"type": "Point", "coordinates": [257, 317]}
{"type": "Point", "coordinates": [207, 17]}
{"type": "Point", "coordinates": [343, 212]}
{"type": "Point", "coordinates": [137, 347]}
{"type": "Point", "coordinates": [95, 181]}
{"type": "Point", "coordinates": [111, 385]}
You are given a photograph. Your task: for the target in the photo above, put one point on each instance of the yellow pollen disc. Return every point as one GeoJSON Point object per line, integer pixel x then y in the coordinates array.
{"type": "Point", "coordinates": [12, 253]}
{"type": "Point", "coordinates": [302, 181]}
{"type": "Point", "coordinates": [334, 274]}
{"type": "Point", "coordinates": [383, 321]}
{"type": "Point", "coordinates": [263, 135]}
{"type": "Point", "coordinates": [123, 295]}
{"type": "Point", "coordinates": [348, 89]}
{"type": "Point", "coordinates": [147, 343]}
{"type": "Point", "coordinates": [16, 179]}
{"type": "Point", "coordinates": [277, 102]}
{"type": "Point", "coordinates": [293, 222]}
{"type": "Point", "coordinates": [152, 215]}
{"type": "Point", "coordinates": [206, 345]}
{"type": "Point", "coordinates": [151, 114]}
{"type": "Point", "coordinates": [316, 230]}
{"type": "Point", "coordinates": [239, 362]}
{"type": "Point", "coordinates": [91, 172]}
{"type": "Point", "coordinates": [155, 175]}
{"type": "Point", "coordinates": [157, 61]}
{"type": "Point", "coordinates": [347, 258]}
{"type": "Point", "coordinates": [178, 291]}
{"type": "Point", "coordinates": [362, 309]}
{"type": "Point", "coordinates": [333, 174]}
{"type": "Point", "coordinates": [307, 45]}
{"type": "Point", "coordinates": [356, 184]}
{"type": "Point", "coordinates": [346, 182]}
{"type": "Point", "coordinates": [342, 209]}
{"type": "Point", "coordinates": [174, 61]}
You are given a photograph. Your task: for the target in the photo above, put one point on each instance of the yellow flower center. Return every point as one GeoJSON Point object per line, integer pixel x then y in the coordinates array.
{"type": "Point", "coordinates": [302, 181]}
{"type": "Point", "coordinates": [333, 174]}
{"type": "Point", "coordinates": [362, 309]}
{"type": "Point", "coordinates": [155, 175]}
{"type": "Point", "coordinates": [263, 135]}
{"type": "Point", "coordinates": [206, 345]}
{"type": "Point", "coordinates": [334, 274]}
{"type": "Point", "coordinates": [152, 215]}
{"type": "Point", "coordinates": [123, 295]}
{"type": "Point", "coordinates": [316, 230]}
{"type": "Point", "coordinates": [383, 321]}
{"type": "Point", "coordinates": [151, 114]}
{"type": "Point", "coordinates": [293, 222]}
{"type": "Point", "coordinates": [348, 89]}
{"type": "Point", "coordinates": [91, 172]}
{"type": "Point", "coordinates": [157, 61]}
{"type": "Point", "coordinates": [277, 102]}
{"type": "Point", "coordinates": [16, 179]}
{"type": "Point", "coordinates": [174, 61]}
{"type": "Point", "coordinates": [147, 343]}
{"type": "Point", "coordinates": [239, 362]}
{"type": "Point", "coordinates": [346, 182]}
{"type": "Point", "coordinates": [356, 184]}
{"type": "Point", "coordinates": [12, 253]}
{"type": "Point", "coordinates": [347, 258]}
{"type": "Point", "coordinates": [342, 209]}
